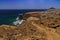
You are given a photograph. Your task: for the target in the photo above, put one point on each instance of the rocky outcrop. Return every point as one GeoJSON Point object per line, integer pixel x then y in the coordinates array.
{"type": "Point", "coordinates": [43, 26]}
{"type": "Point", "coordinates": [29, 30]}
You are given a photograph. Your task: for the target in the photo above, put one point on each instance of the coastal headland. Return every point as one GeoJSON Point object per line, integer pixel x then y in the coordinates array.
{"type": "Point", "coordinates": [38, 25]}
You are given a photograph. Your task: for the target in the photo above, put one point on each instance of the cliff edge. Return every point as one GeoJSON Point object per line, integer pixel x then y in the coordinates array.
{"type": "Point", "coordinates": [29, 30]}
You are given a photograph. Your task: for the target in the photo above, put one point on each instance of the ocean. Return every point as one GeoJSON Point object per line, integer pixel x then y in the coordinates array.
{"type": "Point", "coordinates": [8, 16]}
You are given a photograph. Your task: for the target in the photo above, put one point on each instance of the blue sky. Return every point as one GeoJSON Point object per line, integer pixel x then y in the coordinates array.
{"type": "Point", "coordinates": [29, 4]}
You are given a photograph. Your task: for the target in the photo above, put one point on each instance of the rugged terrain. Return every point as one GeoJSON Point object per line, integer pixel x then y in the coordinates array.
{"type": "Point", "coordinates": [44, 26]}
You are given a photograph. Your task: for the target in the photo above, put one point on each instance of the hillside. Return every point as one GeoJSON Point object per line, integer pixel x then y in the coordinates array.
{"type": "Point", "coordinates": [29, 30]}
{"type": "Point", "coordinates": [43, 26]}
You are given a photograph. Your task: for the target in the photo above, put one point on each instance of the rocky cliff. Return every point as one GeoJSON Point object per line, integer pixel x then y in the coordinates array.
{"type": "Point", "coordinates": [29, 30]}
{"type": "Point", "coordinates": [44, 27]}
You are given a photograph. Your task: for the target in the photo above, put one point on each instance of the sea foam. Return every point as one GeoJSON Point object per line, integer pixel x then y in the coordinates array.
{"type": "Point", "coordinates": [18, 21]}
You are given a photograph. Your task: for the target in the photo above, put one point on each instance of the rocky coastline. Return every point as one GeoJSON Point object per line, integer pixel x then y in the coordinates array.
{"type": "Point", "coordinates": [38, 25]}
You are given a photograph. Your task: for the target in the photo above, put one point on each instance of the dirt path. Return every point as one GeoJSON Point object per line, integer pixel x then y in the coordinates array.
{"type": "Point", "coordinates": [50, 35]}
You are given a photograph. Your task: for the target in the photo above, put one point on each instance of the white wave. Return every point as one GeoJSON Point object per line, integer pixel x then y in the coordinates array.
{"type": "Point", "coordinates": [18, 22]}
{"type": "Point", "coordinates": [21, 21]}
{"type": "Point", "coordinates": [17, 18]}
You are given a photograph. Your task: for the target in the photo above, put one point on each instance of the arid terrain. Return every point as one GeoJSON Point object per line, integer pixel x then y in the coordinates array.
{"type": "Point", "coordinates": [43, 25]}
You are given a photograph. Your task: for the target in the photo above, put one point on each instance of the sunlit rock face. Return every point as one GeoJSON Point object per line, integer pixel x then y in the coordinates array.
{"type": "Point", "coordinates": [30, 29]}
{"type": "Point", "coordinates": [25, 31]}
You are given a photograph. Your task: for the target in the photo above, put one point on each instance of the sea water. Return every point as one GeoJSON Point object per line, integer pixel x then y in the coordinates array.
{"type": "Point", "coordinates": [9, 16]}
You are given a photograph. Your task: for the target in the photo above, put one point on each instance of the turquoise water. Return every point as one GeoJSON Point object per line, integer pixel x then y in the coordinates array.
{"type": "Point", "coordinates": [8, 20]}
{"type": "Point", "coordinates": [9, 16]}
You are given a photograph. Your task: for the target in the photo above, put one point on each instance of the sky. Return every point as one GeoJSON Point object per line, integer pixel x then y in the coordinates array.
{"type": "Point", "coordinates": [29, 4]}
